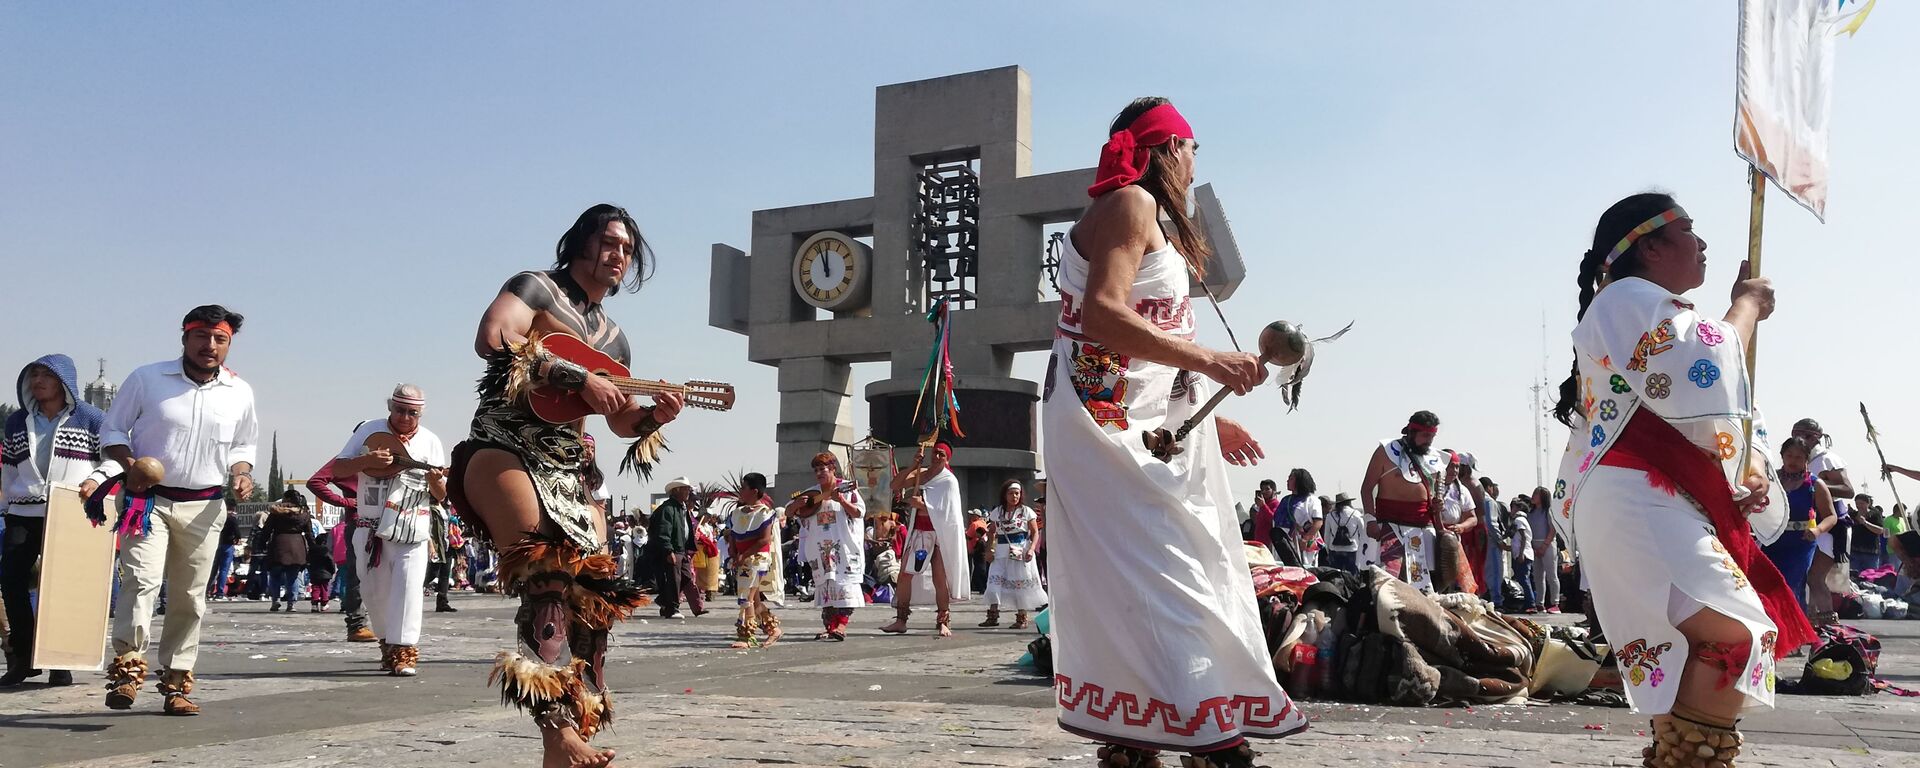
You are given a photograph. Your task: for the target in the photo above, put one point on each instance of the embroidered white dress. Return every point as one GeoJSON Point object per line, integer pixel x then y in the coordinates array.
{"type": "Point", "coordinates": [1650, 556]}
{"type": "Point", "coordinates": [838, 554]}
{"type": "Point", "coordinates": [1013, 580]}
{"type": "Point", "coordinates": [1157, 641]}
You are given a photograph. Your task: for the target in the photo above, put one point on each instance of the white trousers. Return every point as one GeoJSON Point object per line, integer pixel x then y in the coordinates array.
{"type": "Point", "coordinates": [394, 590]}
{"type": "Point", "coordinates": [177, 550]}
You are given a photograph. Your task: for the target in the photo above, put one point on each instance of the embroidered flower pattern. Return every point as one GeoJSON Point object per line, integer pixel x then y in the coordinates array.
{"type": "Point", "coordinates": [1608, 410]}
{"type": "Point", "coordinates": [1657, 676]}
{"type": "Point", "coordinates": [1599, 436]}
{"type": "Point", "coordinates": [1652, 343]}
{"type": "Point", "coordinates": [1703, 373]}
{"type": "Point", "coordinates": [1619, 384]}
{"type": "Point", "coordinates": [1767, 641]}
{"type": "Point", "coordinates": [1739, 576]}
{"type": "Point", "coordinates": [1759, 673]}
{"type": "Point", "coordinates": [1659, 385]}
{"type": "Point", "coordinates": [1724, 442]}
{"type": "Point", "coordinates": [1559, 489]}
{"type": "Point", "coordinates": [1639, 659]}
{"type": "Point", "coordinates": [1708, 335]}
{"type": "Point", "coordinates": [1586, 462]}
{"type": "Point", "coordinates": [1682, 305]}
{"type": "Point", "coordinates": [1566, 508]}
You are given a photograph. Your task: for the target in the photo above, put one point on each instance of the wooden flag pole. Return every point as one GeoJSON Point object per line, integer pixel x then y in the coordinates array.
{"type": "Point", "coordinates": [1756, 217]}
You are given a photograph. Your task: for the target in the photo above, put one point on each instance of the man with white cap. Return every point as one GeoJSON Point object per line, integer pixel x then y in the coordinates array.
{"type": "Point", "coordinates": [670, 548]}
{"type": "Point", "coordinates": [394, 517]}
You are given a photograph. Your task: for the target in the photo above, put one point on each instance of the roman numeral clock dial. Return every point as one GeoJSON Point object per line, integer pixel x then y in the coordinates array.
{"type": "Point", "coordinates": [832, 271]}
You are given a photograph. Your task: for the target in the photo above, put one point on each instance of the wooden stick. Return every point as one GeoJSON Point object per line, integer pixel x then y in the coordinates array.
{"type": "Point", "coordinates": [1874, 436]}
{"type": "Point", "coordinates": [1756, 217]}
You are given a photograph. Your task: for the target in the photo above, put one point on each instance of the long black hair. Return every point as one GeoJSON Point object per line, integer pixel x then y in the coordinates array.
{"type": "Point", "coordinates": [1302, 482]}
{"type": "Point", "coordinates": [574, 243]}
{"type": "Point", "coordinates": [1614, 225]}
{"type": "Point", "coordinates": [1166, 191]}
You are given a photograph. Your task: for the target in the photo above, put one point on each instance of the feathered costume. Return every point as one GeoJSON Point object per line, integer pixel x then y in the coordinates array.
{"type": "Point", "coordinates": [569, 588]}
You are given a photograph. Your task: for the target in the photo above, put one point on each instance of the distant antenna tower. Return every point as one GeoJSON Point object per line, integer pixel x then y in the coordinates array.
{"type": "Point", "coordinates": [1539, 411]}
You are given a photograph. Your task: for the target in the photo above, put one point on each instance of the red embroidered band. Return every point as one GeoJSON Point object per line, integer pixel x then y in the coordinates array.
{"type": "Point", "coordinates": [1417, 427]}
{"type": "Point", "coordinates": [1124, 159]}
{"type": "Point", "coordinates": [199, 324]}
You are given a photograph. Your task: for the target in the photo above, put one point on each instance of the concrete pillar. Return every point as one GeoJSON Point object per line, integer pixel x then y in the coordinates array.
{"type": "Point", "coordinates": [815, 413]}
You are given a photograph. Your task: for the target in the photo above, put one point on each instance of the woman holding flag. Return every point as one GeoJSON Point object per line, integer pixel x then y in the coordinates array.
{"type": "Point", "coordinates": [1655, 491]}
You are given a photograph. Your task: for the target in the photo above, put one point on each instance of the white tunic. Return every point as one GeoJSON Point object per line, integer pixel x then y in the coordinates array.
{"type": "Point", "coordinates": [1650, 556]}
{"type": "Point", "coordinates": [949, 532]}
{"type": "Point", "coordinates": [1157, 640]}
{"type": "Point", "coordinates": [838, 553]}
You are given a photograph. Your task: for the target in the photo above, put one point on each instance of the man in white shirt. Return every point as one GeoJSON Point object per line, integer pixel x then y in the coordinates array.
{"type": "Point", "coordinates": [197, 418]}
{"type": "Point", "coordinates": [936, 552]}
{"type": "Point", "coordinates": [393, 520]}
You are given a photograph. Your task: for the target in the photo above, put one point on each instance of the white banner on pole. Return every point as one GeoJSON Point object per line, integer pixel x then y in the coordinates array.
{"type": "Point", "coordinates": [1786, 90]}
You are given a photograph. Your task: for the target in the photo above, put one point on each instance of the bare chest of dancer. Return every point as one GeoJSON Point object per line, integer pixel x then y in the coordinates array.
{"type": "Point", "coordinates": [560, 306]}
{"type": "Point", "coordinates": [1392, 484]}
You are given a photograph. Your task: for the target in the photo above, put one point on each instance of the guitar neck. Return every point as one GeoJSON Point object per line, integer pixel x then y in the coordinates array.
{"type": "Point", "coordinates": [633, 386]}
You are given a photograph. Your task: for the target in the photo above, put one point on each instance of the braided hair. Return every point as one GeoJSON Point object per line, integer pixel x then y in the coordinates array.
{"type": "Point", "coordinates": [1614, 225]}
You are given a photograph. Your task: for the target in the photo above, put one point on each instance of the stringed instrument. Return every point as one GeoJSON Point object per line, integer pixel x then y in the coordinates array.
{"type": "Point", "coordinates": [397, 448]}
{"type": "Point", "coordinates": [558, 406]}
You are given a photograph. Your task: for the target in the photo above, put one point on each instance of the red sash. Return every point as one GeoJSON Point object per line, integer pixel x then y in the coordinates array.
{"type": "Point", "coordinates": [1671, 461]}
{"type": "Point", "coordinates": [1403, 512]}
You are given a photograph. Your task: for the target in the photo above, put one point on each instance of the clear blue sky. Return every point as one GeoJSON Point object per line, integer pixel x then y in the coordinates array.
{"type": "Point", "coordinates": [359, 179]}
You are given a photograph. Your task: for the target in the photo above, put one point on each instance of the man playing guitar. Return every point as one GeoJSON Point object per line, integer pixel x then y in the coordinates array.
{"type": "Point", "coordinates": [516, 479]}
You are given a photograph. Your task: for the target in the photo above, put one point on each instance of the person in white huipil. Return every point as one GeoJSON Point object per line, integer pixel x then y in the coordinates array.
{"type": "Point", "coordinates": [1157, 641]}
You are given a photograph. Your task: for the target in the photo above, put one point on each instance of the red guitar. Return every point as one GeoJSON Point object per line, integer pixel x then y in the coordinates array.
{"type": "Point", "coordinates": [558, 406]}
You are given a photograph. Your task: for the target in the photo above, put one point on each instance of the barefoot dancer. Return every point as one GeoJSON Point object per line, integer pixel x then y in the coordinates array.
{"type": "Point", "coordinates": [516, 480]}
{"type": "Point", "coordinates": [1646, 494]}
{"type": "Point", "coordinates": [935, 561]}
{"type": "Point", "coordinates": [1157, 642]}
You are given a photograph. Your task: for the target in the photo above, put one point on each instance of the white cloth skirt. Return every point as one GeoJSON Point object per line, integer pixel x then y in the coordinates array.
{"type": "Point", "coordinates": [1012, 583]}
{"type": "Point", "coordinates": [1157, 639]}
{"type": "Point", "coordinates": [1653, 562]}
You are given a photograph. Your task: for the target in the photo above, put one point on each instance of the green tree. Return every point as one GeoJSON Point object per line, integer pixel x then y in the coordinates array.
{"type": "Point", "coordinates": [7, 409]}
{"type": "Point", "coordinates": [276, 483]}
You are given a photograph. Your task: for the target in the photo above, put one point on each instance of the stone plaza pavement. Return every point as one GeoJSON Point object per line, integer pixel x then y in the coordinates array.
{"type": "Point", "coordinates": [285, 690]}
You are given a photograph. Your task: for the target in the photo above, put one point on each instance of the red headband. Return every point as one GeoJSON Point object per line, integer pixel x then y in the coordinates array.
{"type": "Point", "coordinates": [1413, 427]}
{"type": "Point", "coordinates": [943, 449]}
{"type": "Point", "coordinates": [195, 325]}
{"type": "Point", "coordinates": [1123, 160]}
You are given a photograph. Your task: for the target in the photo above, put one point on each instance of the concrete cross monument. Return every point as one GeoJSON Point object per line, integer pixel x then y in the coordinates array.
{"type": "Point", "coordinates": [956, 214]}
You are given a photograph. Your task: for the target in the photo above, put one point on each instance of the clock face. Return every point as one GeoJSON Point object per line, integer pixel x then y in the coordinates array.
{"type": "Point", "coordinates": [830, 271]}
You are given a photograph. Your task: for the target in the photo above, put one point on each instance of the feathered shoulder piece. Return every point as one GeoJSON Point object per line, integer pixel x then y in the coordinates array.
{"type": "Point", "coordinates": [513, 368]}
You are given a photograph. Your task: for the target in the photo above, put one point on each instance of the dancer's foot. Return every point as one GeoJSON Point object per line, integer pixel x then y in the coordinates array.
{"type": "Point", "coordinates": [738, 644]}
{"type": "Point", "coordinates": [773, 636]}
{"type": "Point", "coordinates": [897, 627]}
{"type": "Point", "coordinates": [942, 621]}
{"type": "Point", "coordinates": [563, 748]}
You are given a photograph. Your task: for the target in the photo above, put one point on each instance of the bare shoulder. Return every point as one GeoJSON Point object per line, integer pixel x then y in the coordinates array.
{"type": "Point", "coordinates": [1131, 210]}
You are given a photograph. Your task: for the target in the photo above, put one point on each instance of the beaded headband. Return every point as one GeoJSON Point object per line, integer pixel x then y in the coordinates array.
{"type": "Point", "coordinates": [1666, 217]}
